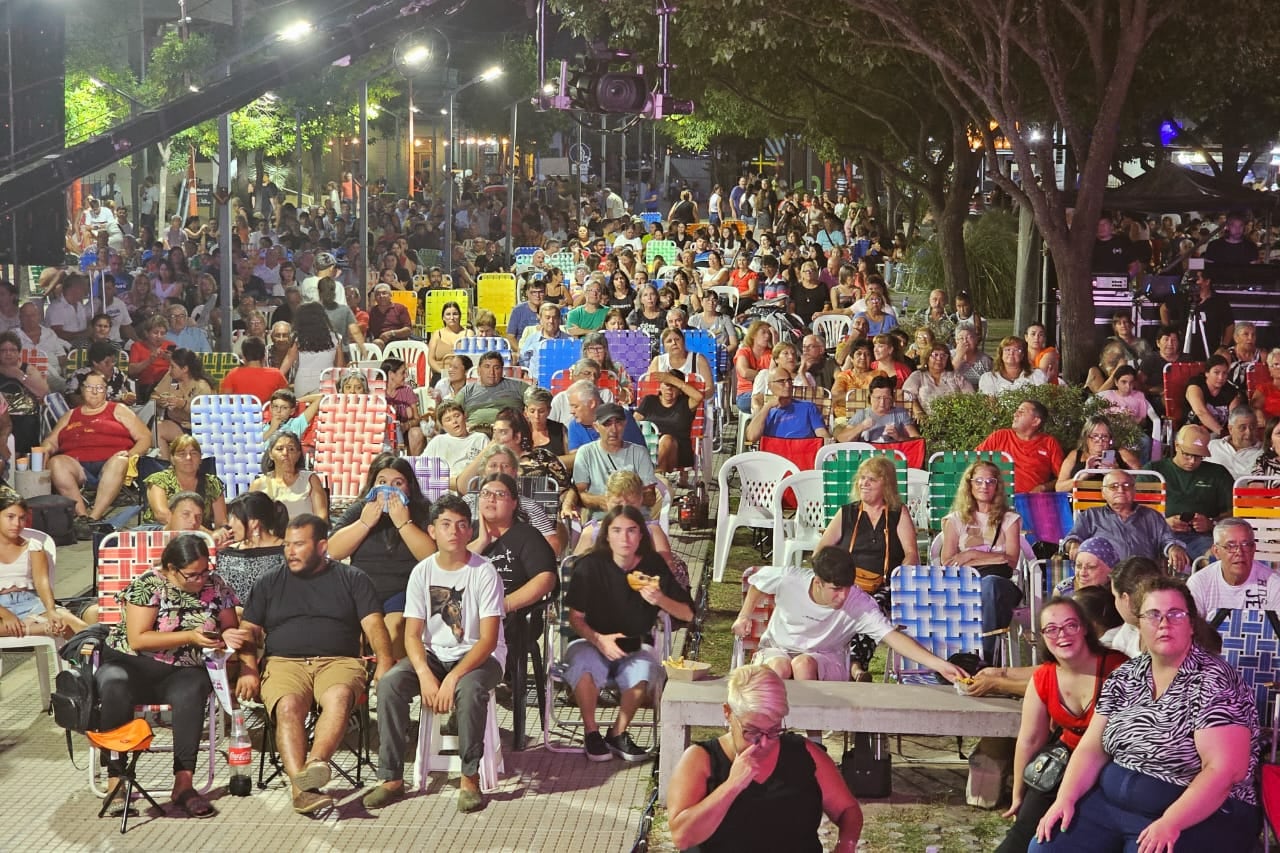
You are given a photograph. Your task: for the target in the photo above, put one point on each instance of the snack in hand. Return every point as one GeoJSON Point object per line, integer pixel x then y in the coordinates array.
{"type": "Point", "coordinates": [639, 580]}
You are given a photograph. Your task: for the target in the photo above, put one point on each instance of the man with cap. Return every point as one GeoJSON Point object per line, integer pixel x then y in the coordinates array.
{"type": "Point", "coordinates": [1236, 581]}
{"type": "Point", "coordinates": [1199, 492]}
{"type": "Point", "coordinates": [326, 264]}
{"type": "Point", "coordinates": [1132, 530]}
{"type": "Point", "coordinates": [1095, 557]}
{"type": "Point", "coordinates": [597, 460]}
{"type": "Point", "coordinates": [388, 321]}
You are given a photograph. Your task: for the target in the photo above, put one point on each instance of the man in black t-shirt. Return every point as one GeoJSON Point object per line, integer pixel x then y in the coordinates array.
{"type": "Point", "coordinates": [1233, 247]}
{"type": "Point", "coordinates": [1111, 253]}
{"type": "Point", "coordinates": [313, 610]}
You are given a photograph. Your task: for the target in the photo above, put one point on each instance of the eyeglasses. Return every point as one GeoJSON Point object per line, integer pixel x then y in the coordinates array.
{"type": "Point", "coordinates": [93, 387]}
{"type": "Point", "coordinates": [1118, 487]}
{"type": "Point", "coordinates": [984, 481]}
{"type": "Point", "coordinates": [494, 494]}
{"type": "Point", "coordinates": [1237, 547]}
{"type": "Point", "coordinates": [753, 736]}
{"type": "Point", "coordinates": [1176, 616]}
{"type": "Point", "coordinates": [1101, 436]}
{"type": "Point", "coordinates": [1067, 629]}
{"type": "Point", "coordinates": [201, 575]}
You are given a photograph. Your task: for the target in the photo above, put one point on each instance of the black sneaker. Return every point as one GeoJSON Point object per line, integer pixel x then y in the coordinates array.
{"type": "Point", "coordinates": [82, 525]}
{"type": "Point", "coordinates": [597, 749]}
{"type": "Point", "coordinates": [625, 748]}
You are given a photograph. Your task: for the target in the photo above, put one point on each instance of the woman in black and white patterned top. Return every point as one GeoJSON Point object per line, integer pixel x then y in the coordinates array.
{"type": "Point", "coordinates": [1169, 760]}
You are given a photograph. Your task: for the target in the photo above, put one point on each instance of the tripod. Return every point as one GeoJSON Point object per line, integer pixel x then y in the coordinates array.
{"type": "Point", "coordinates": [1195, 325]}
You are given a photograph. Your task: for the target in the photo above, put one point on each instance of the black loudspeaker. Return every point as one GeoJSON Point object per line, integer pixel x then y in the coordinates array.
{"type": "Point", "coordinates": [32, 124]}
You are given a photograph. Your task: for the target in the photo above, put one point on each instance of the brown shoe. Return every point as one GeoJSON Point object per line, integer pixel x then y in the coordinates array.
{"type": "Point", "coordinates": [307, 802]}
{"type": "Point", "coordinates": [313, 777]}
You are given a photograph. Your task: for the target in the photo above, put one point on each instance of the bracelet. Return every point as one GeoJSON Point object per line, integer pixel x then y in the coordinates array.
{"type": "Point", "coordinates": [366, 524]}
{"type": "Point", "coordinates": [404, 524]}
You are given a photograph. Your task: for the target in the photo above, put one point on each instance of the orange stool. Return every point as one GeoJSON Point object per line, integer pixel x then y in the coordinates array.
{"type": "Point", "coordinates": [133, 738]}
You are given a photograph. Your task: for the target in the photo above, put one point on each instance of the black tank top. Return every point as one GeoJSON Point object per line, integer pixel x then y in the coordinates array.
{"type": "Point", "coordinates": [783, 813]}
{"type": "Point", "coordinates": [874, 548]}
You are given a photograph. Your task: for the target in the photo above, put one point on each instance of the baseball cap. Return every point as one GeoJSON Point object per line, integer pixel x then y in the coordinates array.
{"type": "Point", "coordinates": [325, 260]}
{"type": "Point", "coordinates": [609, 412]}
{"type": "Point", "coordinates": [1193, 440]}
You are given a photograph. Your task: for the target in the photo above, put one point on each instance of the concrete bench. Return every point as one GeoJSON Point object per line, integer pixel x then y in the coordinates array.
{"type": "Point", "coordinates": [843, 707]}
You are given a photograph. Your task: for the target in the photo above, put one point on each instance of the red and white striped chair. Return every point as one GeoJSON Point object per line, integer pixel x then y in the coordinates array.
{"type": "Point", "coordinates": [123, 556]}
{"type": "Point", "coordinates": [698, 432]}
{"type": "Point", "coordinates": [331, 379]}
{"type": "Point", "coordinates": [351, 429]}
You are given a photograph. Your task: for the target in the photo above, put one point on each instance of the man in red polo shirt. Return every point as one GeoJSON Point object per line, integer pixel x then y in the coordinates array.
{"type": "Point", "coordinates": [1036, 455]}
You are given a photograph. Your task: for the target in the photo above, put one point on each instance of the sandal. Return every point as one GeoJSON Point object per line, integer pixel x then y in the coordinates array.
{"type": "Point", "coordinates": [194, 805]}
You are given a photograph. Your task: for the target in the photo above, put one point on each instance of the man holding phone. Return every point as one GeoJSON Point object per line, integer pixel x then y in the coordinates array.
{"type": "Point", "coordinates": [1199, 492]}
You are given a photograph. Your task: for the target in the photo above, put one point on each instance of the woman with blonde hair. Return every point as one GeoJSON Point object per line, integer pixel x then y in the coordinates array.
{"type": "Point", "coordinates": [1012, 368]}
{"type": "Point", "coordinates": [981, 531]}
{"type": "Point", "coordinates": [758, 787]}
{"type": "Point", "coordinates": [875, 528]}
{"type": "Point", "coordinates": [754, 355]}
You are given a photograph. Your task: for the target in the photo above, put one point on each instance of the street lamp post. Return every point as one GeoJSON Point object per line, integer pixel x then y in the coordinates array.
{"type": "Point", "coordinates": [486, 75]}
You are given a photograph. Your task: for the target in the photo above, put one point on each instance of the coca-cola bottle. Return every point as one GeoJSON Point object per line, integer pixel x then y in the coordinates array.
{"type": "Point", "coordinates": [240, 757]}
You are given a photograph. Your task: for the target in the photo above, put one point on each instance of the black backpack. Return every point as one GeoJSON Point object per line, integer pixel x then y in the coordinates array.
{"type": "Point", "coordinates": [74, 701]}
{"type": "Point", "coordinates": [54, 515]}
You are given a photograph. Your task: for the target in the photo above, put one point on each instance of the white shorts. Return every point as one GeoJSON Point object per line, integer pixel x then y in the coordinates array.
{"type": "Point", "coordinates": [831, 667]}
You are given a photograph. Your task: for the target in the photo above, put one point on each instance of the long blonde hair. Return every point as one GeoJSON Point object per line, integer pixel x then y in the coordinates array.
{"type": "Point", "coordinates": [883, 469]}
{"type": "Point", "coordinates": [965, 507]}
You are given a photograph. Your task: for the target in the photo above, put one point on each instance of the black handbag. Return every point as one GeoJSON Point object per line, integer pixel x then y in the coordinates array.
{"type": "Point", "coordinates": [867, 768]}
{"type": "Point", "coordinates": [1044, 772]}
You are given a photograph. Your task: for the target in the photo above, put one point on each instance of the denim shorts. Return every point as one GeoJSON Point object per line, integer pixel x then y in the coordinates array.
{"type": "Point", "coordinates": [23, 603]}
{"type": "Point", "coordinates": [582, 658]}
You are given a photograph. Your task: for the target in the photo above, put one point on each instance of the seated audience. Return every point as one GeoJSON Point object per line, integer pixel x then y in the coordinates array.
{"type": "Point", "coordinates": [312, 611]}
{"type": "Point", "coordinates": [881, 421]}
{"type": "Point", "coordinates": [934, 379]}
{"type": "Point", "coordinates": [1211, 396]}
{"type": "Point", "coordinates": [455, 654]}
{"type": "Point", "coordinates": [284, 480]}
{"type": "Point", "coordinates": [1235, 580]}
{"type": "Point", "coordinates": [1095, 451]}
{"type": "Point", "coordinates": [1198, 493]}
{"type": "Point", "coordinates": [253, 377]}
{"type": "Point", "coordinates": [24, 390]}
{"type": "Point", "coordinates": [1037, 457]}
{"type": "Point", "coordinates": [184, 476]}
{"type": "Point", "coordinates": [1171, 754]}
{"type": "Point", "coordinates": [255, 544]}
{"type": "Point", "coordinates": [816, 613]}
{"type": "Point", "coordinates": [484, 399]}
{"type": "Point", "coordinates": [184, 334]}
{"type": "Point", "coordinates": [878, 531]}
{"type": "Point", "coordinates": [1128, 575]}
{"type": "Point", "coordinates": [968, 361]}
{"type": "Point", "coordinates": [91, 445]}
{"type": "Point", "coordinates": [384, 535]}
{"type": "Point", "coordinates": [155, 654]}
{"type": "Point", "coordinates": [585, 369]}
{"type": "Point", "coordinates": [1094, 559]}
{"type": "Point", "coordinates": [102, 358]}
{"type": "Point", "coordinates": [715, 804]}
{"type": "Point", "coordinates": [597, 460]}
{"type": "Point", "coordinates": [27, 605]}
{"type": "Point", "coordinates": [454, 445]}
{"type": "Point", "coordinates": [615, 623]}
{"type": "Point", "coordinates": [585, 400]}
{"type": "Point", "coordinates": [1266, 396]}
{"type": "Point", "coordinates": [173, 401]}
{"type": "Point", "coordinates": [1013, 369]}
{"type": "Point", "coordinates": [1132, 528]}
{"type": "Point", "coordinates": [1239, 448]}
{"type": "Point", "coordinates": [404, 402]}
{"type": "Point", "coordinates": [783, 416]}
{"type": "Point", "coordinates": [672, 411]}
{"type": "Point", "coordinates": [1056, 707]}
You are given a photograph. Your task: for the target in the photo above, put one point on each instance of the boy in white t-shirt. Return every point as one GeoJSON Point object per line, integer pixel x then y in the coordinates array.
{"type": "Point", "coordinates": [455, 654]}
{"type": "Point", "coordinates": [816, 613]}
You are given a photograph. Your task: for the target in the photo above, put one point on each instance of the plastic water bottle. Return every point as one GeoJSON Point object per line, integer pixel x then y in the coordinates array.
{"type": "Point", "coordinates": [240, 757]}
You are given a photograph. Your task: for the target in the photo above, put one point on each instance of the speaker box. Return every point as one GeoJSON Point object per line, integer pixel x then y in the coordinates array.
{"type": "Point", "coordinates": [33, 124]}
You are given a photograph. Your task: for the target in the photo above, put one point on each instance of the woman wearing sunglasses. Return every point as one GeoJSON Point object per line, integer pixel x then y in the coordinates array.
{"type": "Point", "coordinates": [758, 787]}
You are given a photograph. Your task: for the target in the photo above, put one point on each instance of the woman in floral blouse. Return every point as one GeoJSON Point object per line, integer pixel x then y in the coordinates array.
{"type": "Point", "coordinates": [172, 615]}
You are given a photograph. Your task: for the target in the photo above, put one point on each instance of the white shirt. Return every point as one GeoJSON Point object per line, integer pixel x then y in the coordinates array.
{"type": "Point", "coordinates": [451, 605]}
{"type": "Point", "coordinates": [1260, 591]}
{"type": "Point", "coordinates": [1238, 462]}
{"type": "Point", "coordinates": [119, 314]}
{"type": "Point", "coordinates": [269, 275]}
{"type": "Point", "coordinates": [713, 204]}
{"type": "Point", "coordinates": [50, 344]}
{"type": "Point", "coordinates": [72, 318]}
{"type": "Point", "coordinates": [993, 383]}
{"type": "Point", "coordinates": [1126, 640]}
{"type": "Point", "coordinates": [799, 624]}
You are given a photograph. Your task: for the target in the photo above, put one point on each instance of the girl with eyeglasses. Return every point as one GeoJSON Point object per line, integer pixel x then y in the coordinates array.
{"type": "Point", "coordinates": [981, 531]}
{"type": "Point", "coordinates": [1057, 706]}
{"type": "Point", "coordinates": [757, 786]}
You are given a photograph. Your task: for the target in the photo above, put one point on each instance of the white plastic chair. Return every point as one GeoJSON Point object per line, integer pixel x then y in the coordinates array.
{"type": "Point", "coordinates": [432, 744]}
{"type": "Point", "coordinates": [833, 328]}
{"type": "Point", "coordinates": [829, 450]}
{"type": "Point", "coordinates": [372, 352]}
{"type": "Point", "coordinates": [793, 536]}
{"type": "Point", "coordinates": [414, 355]}
{"type": "Point", "coordinates": [730, 292]}
{"type": "Point", "coordinates": [44, 648]}
{"type": "Point", "coordinates": [661, 511]}
{"type": "Point", "coordinates": [759, 474]}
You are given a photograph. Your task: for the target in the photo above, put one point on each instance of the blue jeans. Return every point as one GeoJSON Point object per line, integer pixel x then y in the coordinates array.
{"type": "Point", "coordinates": [744, 403]}
{"type": "Point", "coordinates": [1195, 543]}
{"type": "Point", "coordinates": [1110, 817]}
{"type": "Point", "coordinates": [999, 597]}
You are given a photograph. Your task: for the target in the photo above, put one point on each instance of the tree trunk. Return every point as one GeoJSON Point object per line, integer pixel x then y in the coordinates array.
{"type": "Point", "coordinates": [317, 170]}
{"type": "Point", "coordinates": [950, 221]}
{"type": "Point", "coordinates": [1076, 332]}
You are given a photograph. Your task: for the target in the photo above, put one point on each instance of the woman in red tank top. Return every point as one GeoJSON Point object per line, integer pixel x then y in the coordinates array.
{"type": "Point", "coordinates": [92, 444]}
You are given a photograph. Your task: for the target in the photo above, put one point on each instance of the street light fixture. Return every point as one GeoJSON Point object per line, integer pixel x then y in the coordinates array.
{"type": "Point", "coordinates": [295, 31]}
{"type": "Point", "coordinates": [483, 77]}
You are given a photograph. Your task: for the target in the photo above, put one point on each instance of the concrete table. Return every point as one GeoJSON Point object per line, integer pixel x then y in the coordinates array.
{"type": "Point", "coordinates": [840, 706]}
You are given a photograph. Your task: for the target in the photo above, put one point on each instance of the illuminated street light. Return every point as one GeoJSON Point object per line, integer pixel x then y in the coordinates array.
{"type": "Point", "coordinates": [295, 31]}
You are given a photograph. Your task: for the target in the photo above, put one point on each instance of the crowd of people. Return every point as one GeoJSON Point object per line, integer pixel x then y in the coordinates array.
{"type": "Point", "coordinates": [434, 589]}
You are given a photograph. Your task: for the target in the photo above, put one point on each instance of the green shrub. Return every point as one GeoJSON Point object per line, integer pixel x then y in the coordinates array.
{"type": "Point", "coordinates": [962, 421]}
